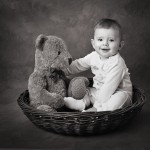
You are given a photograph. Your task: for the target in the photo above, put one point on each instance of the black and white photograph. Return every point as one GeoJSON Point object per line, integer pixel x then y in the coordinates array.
{"type": "Point", "coordinates": [74, 74]}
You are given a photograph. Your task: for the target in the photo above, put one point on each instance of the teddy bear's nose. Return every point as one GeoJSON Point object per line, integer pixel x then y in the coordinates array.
{"type": "Point", "coordinates": [70, 60]}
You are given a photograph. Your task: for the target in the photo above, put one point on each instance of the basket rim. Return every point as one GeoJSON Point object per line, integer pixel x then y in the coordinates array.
{"type": "Point", "coordinates": [26, 106]}
{"type": "Point", "coordinates": [82, 123]}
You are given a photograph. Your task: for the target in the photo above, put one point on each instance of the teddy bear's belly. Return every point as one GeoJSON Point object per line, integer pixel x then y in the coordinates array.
{"type": "Point", "coordinates": [59, 87]}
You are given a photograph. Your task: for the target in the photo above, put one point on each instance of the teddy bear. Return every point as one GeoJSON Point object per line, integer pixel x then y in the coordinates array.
{"type": "Point", "coordinates": [76, 91]}
{"type": "Point", "coordinates": [46, 85]}
{"type": "Point", "coordinates": [77, 87]}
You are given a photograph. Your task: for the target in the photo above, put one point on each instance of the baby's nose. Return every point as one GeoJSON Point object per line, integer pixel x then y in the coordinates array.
{"type": "Point", "coordinates": [70, 60]}
{"type": "Point", "coordinates": [105, 42]}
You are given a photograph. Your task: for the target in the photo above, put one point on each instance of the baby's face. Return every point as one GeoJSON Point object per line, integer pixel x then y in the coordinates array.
{"type": "Point", "coordinates": [106, 42]}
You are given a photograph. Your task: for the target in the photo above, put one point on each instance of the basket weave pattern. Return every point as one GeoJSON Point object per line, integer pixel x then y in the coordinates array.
{"type": "Point", "coordinates": [82, 123]}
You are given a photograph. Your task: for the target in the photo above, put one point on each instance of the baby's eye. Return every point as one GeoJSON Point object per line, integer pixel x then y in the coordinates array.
{"type": "Point", "coordinates": [59, 52]}
{"type": "Point", "coordinates": [111, 40]}
{"type": "Point", "coordinates": [100, 39]}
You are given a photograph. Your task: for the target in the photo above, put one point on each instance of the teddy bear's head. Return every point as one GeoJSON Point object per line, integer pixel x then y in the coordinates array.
{"type": "Point", "coordinates": [51, 52]}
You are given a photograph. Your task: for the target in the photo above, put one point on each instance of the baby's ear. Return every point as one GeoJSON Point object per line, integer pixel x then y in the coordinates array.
{"type": "Point", "coordinates": [121, 45]}
{"type": "Point", "coordinates": [92, 42]}
{"type": "Point", "coordinates": [40, 41]}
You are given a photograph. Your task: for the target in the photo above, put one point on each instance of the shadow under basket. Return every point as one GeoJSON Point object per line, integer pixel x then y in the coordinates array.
{"type": "Point", "coordinates": [82, 123]}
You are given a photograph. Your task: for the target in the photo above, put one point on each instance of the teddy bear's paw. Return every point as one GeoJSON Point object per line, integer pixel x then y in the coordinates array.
{"type": "Point", "coordinates": [46, 108]}
{"type": "Point", "coordinates": [77, 88]}
{"type": "Point", "coordinates": [86, 80]}
{"type": "Point", "coordinates": [57, 96]}
{"type": "Point", "coordinates": [57, 102]}
{"type": "Point", "coordinates": [62, 92]}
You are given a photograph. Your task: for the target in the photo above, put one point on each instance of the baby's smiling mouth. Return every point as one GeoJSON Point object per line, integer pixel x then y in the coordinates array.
{"type": "Point", "coordinates": [105, 49]}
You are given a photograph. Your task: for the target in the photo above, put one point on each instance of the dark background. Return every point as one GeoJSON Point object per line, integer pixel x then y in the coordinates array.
{"type": "Point", "coordinates": [21, 21]}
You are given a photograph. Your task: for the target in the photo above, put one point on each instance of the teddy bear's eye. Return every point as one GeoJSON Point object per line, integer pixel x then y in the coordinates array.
{"type": "Point", "coordinates": [59, 52]}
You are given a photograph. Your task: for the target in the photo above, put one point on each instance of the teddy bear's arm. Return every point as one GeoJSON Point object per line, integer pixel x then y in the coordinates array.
{"type": "Point", "coordinates": [39, 93]}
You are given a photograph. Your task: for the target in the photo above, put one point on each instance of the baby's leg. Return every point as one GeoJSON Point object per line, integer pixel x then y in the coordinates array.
{"type": "Point", "coordinates": [76, 104]}
{"type": "Point", "coordinates": [118, 100]}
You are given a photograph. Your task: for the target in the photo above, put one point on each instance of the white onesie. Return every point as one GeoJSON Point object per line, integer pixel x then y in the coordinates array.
{"type": "Point", "coordinates": [112, 87]}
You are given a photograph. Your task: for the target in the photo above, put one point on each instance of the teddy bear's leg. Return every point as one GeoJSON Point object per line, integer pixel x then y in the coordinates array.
{"type": "Point", "coordinates": [40, 96]}
{"type": "Point", "coordinates": [77, 87]}
{"type": "Point", "coordinates": [46, 108]}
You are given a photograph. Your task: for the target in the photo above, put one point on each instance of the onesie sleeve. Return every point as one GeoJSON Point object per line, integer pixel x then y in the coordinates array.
{"type": "Point", "coordinates": [114, 76]}
{"type": "Point", "coordinates": [79, 65]}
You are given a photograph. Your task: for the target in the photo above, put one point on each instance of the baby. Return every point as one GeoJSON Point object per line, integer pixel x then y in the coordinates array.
{"type": "Point", "coordinates": [112, 87]}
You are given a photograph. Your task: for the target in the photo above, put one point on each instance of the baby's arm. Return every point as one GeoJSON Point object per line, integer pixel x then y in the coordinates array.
{"type": "Point", "coordinates": [78, 65]}
{"type": "Point", "coordinates": [111, 83]}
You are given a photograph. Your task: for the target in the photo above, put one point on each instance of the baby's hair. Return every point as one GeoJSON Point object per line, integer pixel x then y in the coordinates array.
{"type": "Point", "coordinates": [107, 24]}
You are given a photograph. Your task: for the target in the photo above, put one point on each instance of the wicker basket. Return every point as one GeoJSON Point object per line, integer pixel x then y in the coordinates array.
{"type": "Point", "coordinates": [79, 123]}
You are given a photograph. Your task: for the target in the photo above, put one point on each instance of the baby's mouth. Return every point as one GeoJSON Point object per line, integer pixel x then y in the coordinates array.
{"type": "Point", "coordinates": [105, 49]}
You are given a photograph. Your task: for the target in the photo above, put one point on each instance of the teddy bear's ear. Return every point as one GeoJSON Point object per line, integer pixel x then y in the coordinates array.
{"type": "Point", "coordinates": [40, 41]}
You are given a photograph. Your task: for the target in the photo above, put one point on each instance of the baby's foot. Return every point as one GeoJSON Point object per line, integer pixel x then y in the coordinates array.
{"type": "Point", "coordinates": [74, 104]}
{"type": "Point", "coordinates": [93, 109]}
